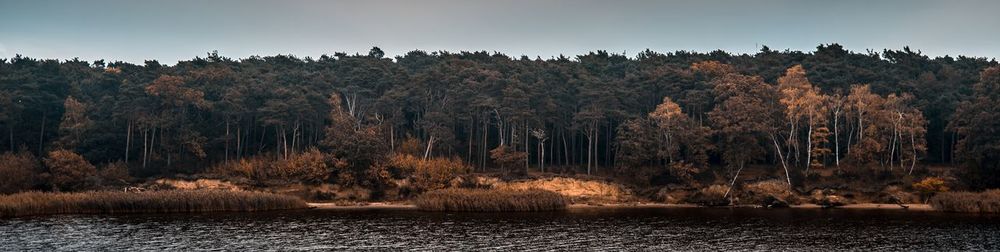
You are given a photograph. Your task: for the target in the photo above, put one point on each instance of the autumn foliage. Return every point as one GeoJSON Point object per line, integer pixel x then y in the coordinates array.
{"type": "Point", "coordinates": [19, 172]}
{"type": "Point", "coordinates": [69, 171]}
{"type": "Point", "coordinates": [430, 174]}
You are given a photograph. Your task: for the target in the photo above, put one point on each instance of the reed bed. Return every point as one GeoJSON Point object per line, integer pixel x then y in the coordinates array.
{"type": "Point", "coordinates": [970, 202]}
{"type": "Point", "coordinates": [490, 200]}
{"type": "Point", "coordinates": [169, 201]}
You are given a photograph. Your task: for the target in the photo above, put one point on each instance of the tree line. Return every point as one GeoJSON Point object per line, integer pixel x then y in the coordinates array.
{"type": "Point", "coordinates": [597, 113]}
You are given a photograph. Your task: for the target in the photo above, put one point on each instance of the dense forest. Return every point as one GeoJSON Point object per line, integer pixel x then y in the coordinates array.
{"type": "Point", "coordinates": [647, 117]}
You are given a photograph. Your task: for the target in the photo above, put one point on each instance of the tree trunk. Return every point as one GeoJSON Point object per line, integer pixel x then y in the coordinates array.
{"type": "Point", "coordinates": [777, 148]}
{"type": "Point", "coordinates": [733, 183]}
{"type": "Point", "coordinates": [430, 144]}
{"type": "Point", "coordinates": [809, 146]}
{"type": "Point", "coordinates": [590, 141]}
{"type": "Point", "coordinates": [541, 154]}
{"type": "Point", "coordinates": [470, 131]}
{"type": "Point", "coordinates": [145, 146]}
{"type": "Point", "coordinates": [527, 153]}
{"type": "Point", "coordinates": [913, 144]}
{"type": "Point", "coordinates": [41, 136]}
{"type": "Point", "coordinates": [565, 152]}
{"type": "Point", "coordinates": [836, 140]}
{"type": "Point", "coordinates": [239, 140]}
{"type": "Point", "coordinates": [128, 139]}
{"type": "Point", "coordinates": [484, 152]}
{"type": "Point", "coordinates": [227, 141]}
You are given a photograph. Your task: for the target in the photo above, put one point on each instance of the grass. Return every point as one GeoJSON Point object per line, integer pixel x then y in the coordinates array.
{"type": "Point", "coordinates": [168, 201]}
{"type": "Point", "coordinates": [490, 200]}
{"type": "Point", "coordinates": [970, 202]}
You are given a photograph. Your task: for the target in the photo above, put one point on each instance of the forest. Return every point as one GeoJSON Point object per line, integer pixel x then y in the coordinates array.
{"type": "Point", "coordinates": [650, 119]}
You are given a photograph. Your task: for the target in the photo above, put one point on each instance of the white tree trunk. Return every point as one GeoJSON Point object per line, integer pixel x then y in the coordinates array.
{"type": "Point", "coordinates": [809, 145]}
{"type": "Point", "coordinates": [777, 148]}
{"type": "Point", "coordinates": [836, 138]}
{"type": "Point", "coordinates": [733, 183]}
{"type": "Point", "coordinates": [430, 144]}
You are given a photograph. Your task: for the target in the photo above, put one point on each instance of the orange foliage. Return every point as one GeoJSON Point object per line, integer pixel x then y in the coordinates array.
{"type": "Point", "coordinates": [429, 174]}
{"type": "Point", "coordinates": [19, 172]}
{"type": "Point", "coordinates": [70, 171]}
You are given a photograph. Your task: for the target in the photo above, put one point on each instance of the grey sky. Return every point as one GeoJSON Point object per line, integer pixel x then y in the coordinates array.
{"type": "Point", "coordinates": [135, 30]}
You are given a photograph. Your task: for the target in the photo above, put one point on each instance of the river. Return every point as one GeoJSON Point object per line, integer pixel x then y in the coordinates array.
{"type": "Point", "coordinates": [575, 229]}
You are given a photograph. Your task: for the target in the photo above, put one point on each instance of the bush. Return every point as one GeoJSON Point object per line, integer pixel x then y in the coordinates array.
{"type": "Point", "coordinates": [713, 195]}
{"type": "Point", "coordinates": [684, 172]}
{"type": "Point", "coordinates": [411, 146]}
{"type": "Point", "coordinates": [766, 192]}
{"type": "Point", "coordinates": [70, 171]}
{"type": "Point", "coordinates": [971, 202]}
{"type": "Point", "coordinates": [430, 174]}
{"type": "Point", "coordinates": [509, 159]}
{"type": "Point", "coordinates": [171, 201]}
{"type": "Point", "coordinates": [930, 186]}
{"type": "Point", "coordinates": [17, 172]}
{"type": "Point", "coordinates": [490, 200]}
{"type": "Point", "coordinates": [114, 174]}
{"type": "Point", "coordinates": [310, 166]}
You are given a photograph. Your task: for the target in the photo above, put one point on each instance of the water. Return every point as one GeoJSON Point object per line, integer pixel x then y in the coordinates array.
{"type": "Point", "coordinates": [577, 229]}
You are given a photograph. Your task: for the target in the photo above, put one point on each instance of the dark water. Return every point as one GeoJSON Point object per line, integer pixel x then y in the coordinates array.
{"type": "Point", "coordinates": [578, 229]}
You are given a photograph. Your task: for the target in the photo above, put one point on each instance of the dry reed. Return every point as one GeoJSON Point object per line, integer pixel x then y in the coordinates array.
{"type": "Point", "coordinates": [490, 200]}
{"type": "Point", "coordinates": [169, 201]}
{"type": "Point", "coordinates": [970, 202]}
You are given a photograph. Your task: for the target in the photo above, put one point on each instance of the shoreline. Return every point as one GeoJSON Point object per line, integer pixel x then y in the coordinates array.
{"type": "Point", "coordinates": [408, 206]}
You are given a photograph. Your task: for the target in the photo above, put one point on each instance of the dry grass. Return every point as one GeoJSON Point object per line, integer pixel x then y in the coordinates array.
{"type": "Point", "coordinates": [487, 200]}
{"type": "Point", "coordinates": [714, 195]}
{"type": "Point", "coordinates": [198, 184]}
{"type": "Point", "coordinates": [428, 174]}
{"type": "Point", "coordinates": [170, 201]}
{"type": "Point", "coordinates": [760, 192]}
{"type": "Point", "coordinates": [310, 166]}
{"type": "Point", "coordinates": [970, 202]}
{"type": "Point", "coordinates": [577, 190]}
{"type": "Point", "coordinates": [19, 172]}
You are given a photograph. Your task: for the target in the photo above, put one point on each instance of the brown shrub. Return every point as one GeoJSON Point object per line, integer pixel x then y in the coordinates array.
{"type": "Point", "coordinates": [684, 172]}
{"type": "Point", "coordinates": [70, 171]}
{"type": "Point", "coordinates": [171, 201]}
{"type": "Point", "coordinates": [713, 195]}
{"type": "Point", "coordinates": [764, 191]}
{"type": "Point", "coordinates": [250, 168]}
{"type": "Point", "coordinates": [509, 159]}
{"type": "Point", "coordinates": [574, 189]}
{"type": "Point", "coordinates": [895, 194]}
{"type": "Point", "coordinates": [671, 196]}
{"type": "Point", "coordinates": [430, 174]}
{"type": "Point", "coordinates": [310, 166]}
{"type": "Point", "coordinates": [971, 202]}
{"type": "Point", "coordinates": [490, 200]}
{"type": "Point", "coordinates": [411, 146]}
{"type": "Point", "coordinates": [930, 186]}
{"type": "Point", "coordinates": [114, 174]}
{"type": "Point", "coordinates": [17, 172]}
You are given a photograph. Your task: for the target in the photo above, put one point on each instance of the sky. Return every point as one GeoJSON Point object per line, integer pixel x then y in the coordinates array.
{"type": "Point", "coordinates": [168, 31]}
